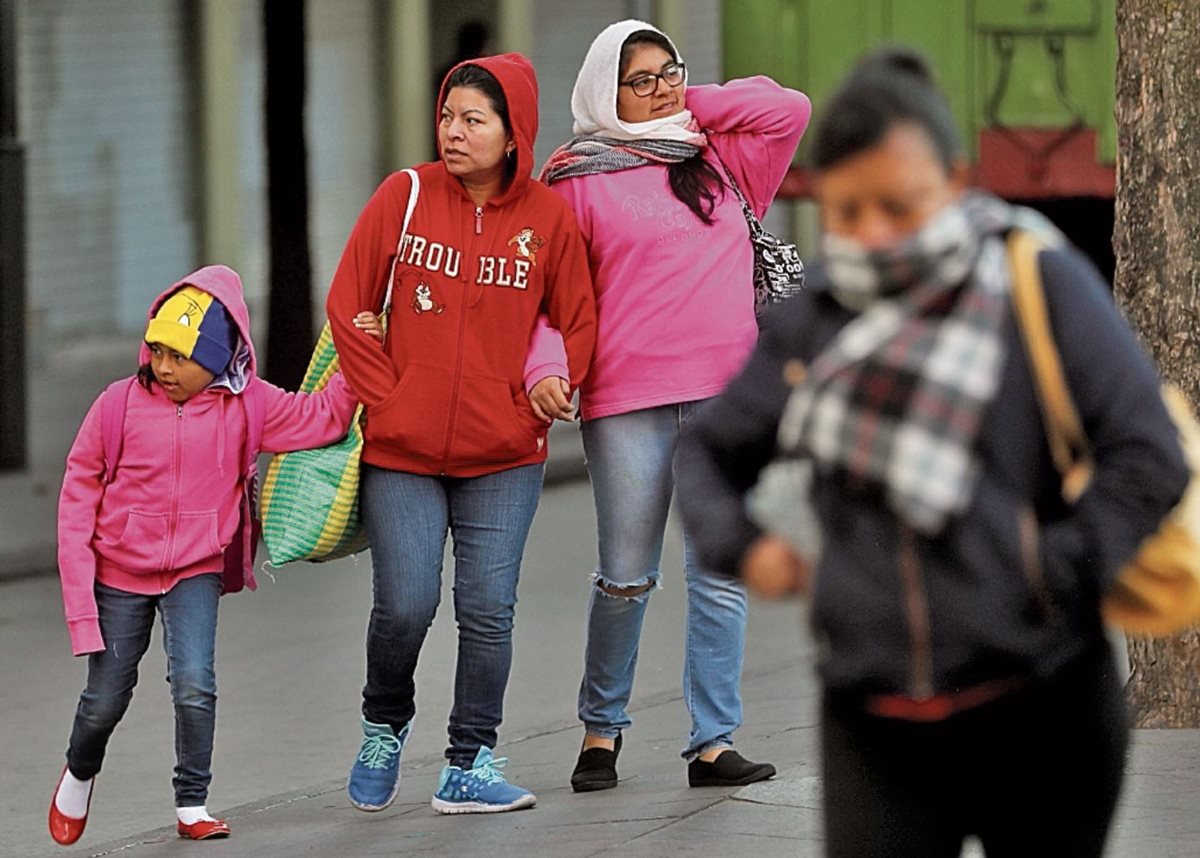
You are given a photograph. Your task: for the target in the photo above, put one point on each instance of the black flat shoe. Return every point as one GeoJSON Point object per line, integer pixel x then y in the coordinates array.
{"type": "Point", "coordinates": [728, 769]}
{"type": "Point", "coordinates": [596, 769]}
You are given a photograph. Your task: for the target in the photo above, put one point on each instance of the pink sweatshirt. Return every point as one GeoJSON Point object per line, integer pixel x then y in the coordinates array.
{"type": "Point", "coordinates": [675, 298]}
{"type": "Point", "coordinates": [174, 505]}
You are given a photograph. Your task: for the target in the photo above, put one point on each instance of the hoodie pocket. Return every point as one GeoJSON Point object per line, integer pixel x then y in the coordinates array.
{"type": "Point", "coordinates": [148, 545]}
{"type": "Point", "coordinates": [143, 543]}
{"type": "Point", "coordinates": [412, 421]}
{"type": "Point", "coordinates": [494, 425]}
{"type": "Point", "coordinates": [196, 539]}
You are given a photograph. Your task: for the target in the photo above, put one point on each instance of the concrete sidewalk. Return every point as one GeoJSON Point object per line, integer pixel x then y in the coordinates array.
{"type": "Point", "coordinates": [653, 813]}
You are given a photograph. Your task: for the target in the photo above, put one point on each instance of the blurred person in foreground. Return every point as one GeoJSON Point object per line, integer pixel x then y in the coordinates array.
{"type": "Point", "coordinates": [968, 685]}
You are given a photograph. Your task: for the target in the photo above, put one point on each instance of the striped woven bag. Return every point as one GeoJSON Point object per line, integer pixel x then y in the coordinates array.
{"type": "Point", "coordinates": [310, 499]}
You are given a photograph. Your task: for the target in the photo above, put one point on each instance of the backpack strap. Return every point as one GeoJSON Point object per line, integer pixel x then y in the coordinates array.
{"type": "Point", "coordinates": [254, 405]}
{"type": "Point", "coordinates": [113, 405]}
{"type": "Point", "coordinates": [1064, 432]}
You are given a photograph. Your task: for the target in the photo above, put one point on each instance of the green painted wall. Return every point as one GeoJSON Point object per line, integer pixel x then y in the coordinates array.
{"type": "Point", "coordinates": [811, 44]}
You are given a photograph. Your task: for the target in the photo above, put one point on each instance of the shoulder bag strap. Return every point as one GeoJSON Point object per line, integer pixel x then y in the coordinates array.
{"type": "Point", "coordinates": [413, 192]}
{"type": "Point", "coordinates": [253, 399]}
{"type": "Point", "coordinates": [1064, 431]}
{"type": "Point", "coordinates": [752, 221]}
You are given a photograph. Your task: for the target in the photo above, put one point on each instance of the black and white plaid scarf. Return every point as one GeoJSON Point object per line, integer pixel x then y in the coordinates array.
{"type": "Point", "coordinates": [896, 401]}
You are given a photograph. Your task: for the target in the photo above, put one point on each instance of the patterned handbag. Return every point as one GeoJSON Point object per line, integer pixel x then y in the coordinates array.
{"type": "Point", "coordinates": [778, 269]}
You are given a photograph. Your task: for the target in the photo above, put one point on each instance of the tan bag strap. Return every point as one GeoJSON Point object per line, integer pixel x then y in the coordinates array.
{"type": "Point", "coordinates": [1068, 443]}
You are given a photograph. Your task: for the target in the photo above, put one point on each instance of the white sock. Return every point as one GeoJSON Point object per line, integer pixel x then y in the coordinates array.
{"type": "Point", "coordinates": [72, 796]}
{"type": "Point", "coordinates": [192, 815]}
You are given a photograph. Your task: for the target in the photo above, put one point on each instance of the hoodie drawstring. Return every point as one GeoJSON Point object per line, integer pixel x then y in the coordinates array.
{"type": "Point", "coordinates": [221, 436]}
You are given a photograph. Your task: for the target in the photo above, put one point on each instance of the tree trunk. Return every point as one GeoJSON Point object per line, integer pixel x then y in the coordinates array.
{"type": "Point", "coordinates": [1157, 244]}
{"type": "Point", "coordinates": [290, 305]}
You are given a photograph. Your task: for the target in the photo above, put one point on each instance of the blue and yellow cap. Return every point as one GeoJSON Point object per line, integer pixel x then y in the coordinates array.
{"type": "Point", "coordinates": [195, 324]}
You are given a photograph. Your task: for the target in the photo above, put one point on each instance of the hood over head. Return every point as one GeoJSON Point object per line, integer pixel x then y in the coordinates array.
{"type": "Point", "coordinates": [594, 99]}
{"type": "Point", "coordinates": [224, 284]}
{"type": "Point", "coordinates": [515, 74]}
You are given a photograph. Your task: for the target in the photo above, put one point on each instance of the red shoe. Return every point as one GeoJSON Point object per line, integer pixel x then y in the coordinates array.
{"type": "Point", "coordinates": [205, 829]}
{"type": "Point", "coordinates": [65, 829]}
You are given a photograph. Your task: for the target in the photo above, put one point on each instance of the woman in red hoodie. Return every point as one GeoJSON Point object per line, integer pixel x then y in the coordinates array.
{"type": "Point", "coordinates": [452, 444]}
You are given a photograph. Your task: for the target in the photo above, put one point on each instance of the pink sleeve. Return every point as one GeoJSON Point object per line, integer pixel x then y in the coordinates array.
{"type": "Point", "coordinates": [78, 507]}
{"type": "Point", "coordinates": [755, 124]}
{"type": "Point", "coordinates": [547, 357]}
{"type": "Point", "coordinates": [299, 421]}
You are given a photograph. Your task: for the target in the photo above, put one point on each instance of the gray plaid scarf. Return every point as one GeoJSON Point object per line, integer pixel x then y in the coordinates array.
{"type": "Point", "coordinates": [895, 402]}
{"type": "Point", "coordinates": [590, 154]}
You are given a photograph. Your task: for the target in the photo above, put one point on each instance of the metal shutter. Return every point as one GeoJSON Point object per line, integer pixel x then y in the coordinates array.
{"type": "Point", "coordinates": [105, 106]}
{"type": "Point", "coordinates": [344, 130]}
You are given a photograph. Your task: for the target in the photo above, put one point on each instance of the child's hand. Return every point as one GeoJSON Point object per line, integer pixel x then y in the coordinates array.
{"type": "Point", "coordinates": [369, 324]}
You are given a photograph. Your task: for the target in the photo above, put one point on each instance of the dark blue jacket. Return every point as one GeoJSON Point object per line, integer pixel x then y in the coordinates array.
{"type": "Point", "coordinates": [1011, 589]}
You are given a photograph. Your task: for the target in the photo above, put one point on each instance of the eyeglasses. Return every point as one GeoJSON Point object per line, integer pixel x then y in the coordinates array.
{"type": "Point", "coordinates": [645, 84]}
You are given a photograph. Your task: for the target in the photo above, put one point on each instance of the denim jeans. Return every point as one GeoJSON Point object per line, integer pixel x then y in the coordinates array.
{"type": "Point", "coordinates": [631, 463]}
{"type": "Point", "coordinates": [408, 517]}
{"type": "Point", "coordinates": [189, 620]}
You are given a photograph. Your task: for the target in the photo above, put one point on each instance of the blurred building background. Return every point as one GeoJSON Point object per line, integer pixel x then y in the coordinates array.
{"type": "Point", "coordinates": [132, 143]}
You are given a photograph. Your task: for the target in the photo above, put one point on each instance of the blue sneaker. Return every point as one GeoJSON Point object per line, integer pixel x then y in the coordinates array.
{"type": "Point", "coordinates": [479, 789]}
{"type": "Point", "coordinates": [375, 776]}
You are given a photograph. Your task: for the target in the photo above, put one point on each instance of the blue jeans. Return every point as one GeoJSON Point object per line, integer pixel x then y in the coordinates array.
{"type": "Point", "coordinates": [408, 517]}
{"type": "Point", "coordinates": [631, 463]}
{"type": "Point", "coordinates": [189, 620]}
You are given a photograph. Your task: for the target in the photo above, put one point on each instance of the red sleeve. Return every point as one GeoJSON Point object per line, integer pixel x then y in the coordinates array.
{"type": "Point", "coordinates": [570, 299]}
{"type": "Point", "coordinates": [360, 283]}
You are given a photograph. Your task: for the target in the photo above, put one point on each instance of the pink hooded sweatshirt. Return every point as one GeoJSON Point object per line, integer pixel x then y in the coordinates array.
{"type": "Point", "coordinates": [175, 503]}
{"type": "Point", "coordinates": [675, 298]}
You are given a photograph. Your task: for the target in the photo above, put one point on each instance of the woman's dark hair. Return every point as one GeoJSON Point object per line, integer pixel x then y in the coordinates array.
{"type": "Point", "coordinates": [694, 181]}
{"type": "Point", "coordinates": [478, 78]}
{"type": "Point", "coordinates": [890, 87]}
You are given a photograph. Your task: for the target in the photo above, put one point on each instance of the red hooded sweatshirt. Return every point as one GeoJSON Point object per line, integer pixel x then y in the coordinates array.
{"type": "Point", "coordinates": [445, 393]}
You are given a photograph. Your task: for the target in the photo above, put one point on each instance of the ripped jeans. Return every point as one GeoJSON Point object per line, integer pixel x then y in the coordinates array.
{"type": "Point", "coordinates": [631, 464]}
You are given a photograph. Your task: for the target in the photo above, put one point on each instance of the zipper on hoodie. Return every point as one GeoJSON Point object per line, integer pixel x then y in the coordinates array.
{"type": "Point", "coordinates": [916, 613]}
{"type": "Point", "coordinates": [452, 422]}
{"type": "Point", "coordinates": [173, 520]}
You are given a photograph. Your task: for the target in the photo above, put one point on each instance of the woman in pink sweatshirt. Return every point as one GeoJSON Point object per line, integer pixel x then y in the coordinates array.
{"type": "Point", "coordinates": [672, 262]}
{"type": "Point", "coordinates": [155, 517]}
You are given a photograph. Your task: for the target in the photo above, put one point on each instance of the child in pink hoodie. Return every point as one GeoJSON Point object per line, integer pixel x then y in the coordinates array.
{"type": "Point", "coordinates": [155, 516]}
